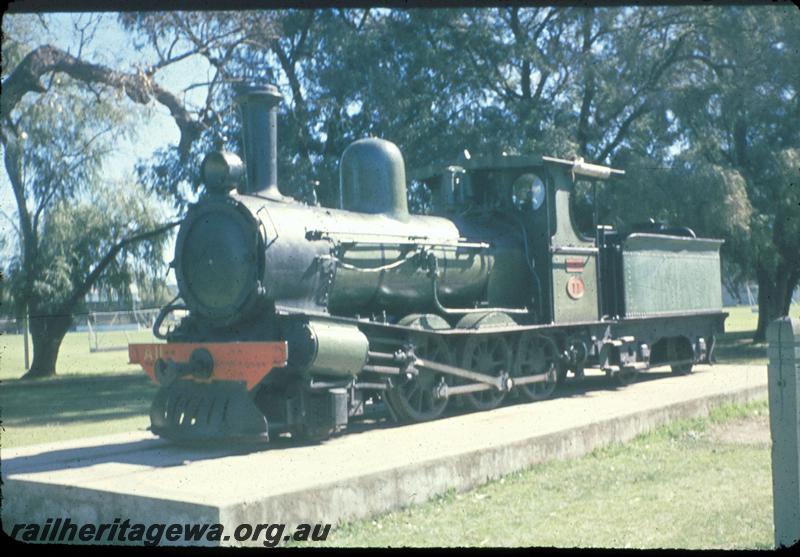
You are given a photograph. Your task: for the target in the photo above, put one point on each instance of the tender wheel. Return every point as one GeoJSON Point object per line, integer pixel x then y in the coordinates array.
{"type": "Point", "coordinates": [578, 353]}
{"type": "Point", "coordinates": [312, 435]}
{"type": "Point", "coordinates": [537, 354]}
{"type": "Point", "coordinates": [626, 376]}
{"type": "Point", "coordinates": [414, 400]}
{"type": "Point", "coordinates": [682, 369]}
{"type": "Point", "coordinates": [490, 355]}
{"type": "Point", "coordinates": [682, 350]}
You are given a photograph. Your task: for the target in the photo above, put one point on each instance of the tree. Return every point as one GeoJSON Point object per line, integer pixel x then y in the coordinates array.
{"type": "Point", "coordinates": [75, 230]}
{"type": "Point", "coordinates": [740, 115]}
{"type": "Point", "coordinates": [223, 39]}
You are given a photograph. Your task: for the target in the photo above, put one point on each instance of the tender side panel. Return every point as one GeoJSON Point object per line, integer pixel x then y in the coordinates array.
{"type": "Point", "coordinates": [670, 274]}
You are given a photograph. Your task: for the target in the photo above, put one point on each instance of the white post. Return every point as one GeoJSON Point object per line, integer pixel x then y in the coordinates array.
{"type": "Point", "coordinates": [784, 420]}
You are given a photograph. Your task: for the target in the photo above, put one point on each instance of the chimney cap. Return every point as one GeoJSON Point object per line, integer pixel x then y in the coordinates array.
{"type": "Point", "coordinates": [265, 92]}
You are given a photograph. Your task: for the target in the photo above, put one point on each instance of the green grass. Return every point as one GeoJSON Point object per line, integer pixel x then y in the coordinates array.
{"type": "Point", "coordinates": [675, 487]}
{"type": "Point", "coordinates": [744, 319]}
{"type": "Point", "coordinates": [72, 407]}
{"type": "Point", "coordinates": [736, 346]}
{"type": "Point", "coordinates": [93, 394]}
{"type": "Point", "coordinates": [74, 358]}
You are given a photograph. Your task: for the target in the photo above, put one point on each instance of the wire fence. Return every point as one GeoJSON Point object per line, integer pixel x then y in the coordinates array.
{"type": "Point", "coordinates": [100, 324]}
{"type": "Point", "coordinates": [113, 330]}
{"type": "Point", "coordinates": [107, 330]}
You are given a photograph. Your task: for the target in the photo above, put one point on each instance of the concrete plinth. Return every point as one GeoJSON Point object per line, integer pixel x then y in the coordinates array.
{"type": "Point", "coordinates": [138, 477]}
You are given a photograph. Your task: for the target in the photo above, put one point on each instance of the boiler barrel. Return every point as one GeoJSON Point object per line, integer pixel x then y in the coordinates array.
{"type": "Point", "coordinates": [362, 263]}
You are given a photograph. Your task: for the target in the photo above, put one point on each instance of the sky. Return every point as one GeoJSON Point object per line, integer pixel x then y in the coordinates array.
{"type": "Point", "coordinates": [113, 47]}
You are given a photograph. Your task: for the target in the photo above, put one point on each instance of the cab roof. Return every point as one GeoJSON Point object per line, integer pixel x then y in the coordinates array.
{"type": "Point", "coordinates": [496, 162]}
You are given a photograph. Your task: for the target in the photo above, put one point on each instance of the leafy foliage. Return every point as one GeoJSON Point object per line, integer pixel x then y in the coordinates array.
{"type": "Point", "coordinates": [72, 221]}
{"type": "Point", "coordinates": [77, 234]}
{"type": "Point", "coordinates": [739, 114]}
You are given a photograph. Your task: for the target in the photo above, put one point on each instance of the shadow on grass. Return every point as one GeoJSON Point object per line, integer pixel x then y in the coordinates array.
{"type": "Point", "coordinates": [739, 348]}
{"type": "Point", "coordinates": [95, 399]}
{"type": "Point", "coordinates": [75, 399]}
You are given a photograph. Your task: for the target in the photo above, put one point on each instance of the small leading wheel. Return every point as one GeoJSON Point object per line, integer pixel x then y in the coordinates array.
{"type": "Point", "coordinates": [414, 400]}
{"type": "Point", "coordinates": [537, 355]}
{"type": "Point", "coordinates": [490, 355]}
{"type": "Point", "coordinates": [578, 353]}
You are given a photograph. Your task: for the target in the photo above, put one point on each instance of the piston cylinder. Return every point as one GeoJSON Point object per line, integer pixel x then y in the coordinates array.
{"type": "Point", "coordinates": [318, 347]}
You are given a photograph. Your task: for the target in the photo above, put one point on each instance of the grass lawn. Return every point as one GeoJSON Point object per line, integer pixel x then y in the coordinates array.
{"type": "Point", "coordinates": [72, 406]}
{"type": "Point", "coordinates": [74, 358]}
{"type": "Point", "coordinates": [744, 319]}
{"type": "Point", "coordinates": [685, 485]}
{"type": "Point", "coordinates": [736, 346]}
{"type": "Point", "coordinates": [94, 393]}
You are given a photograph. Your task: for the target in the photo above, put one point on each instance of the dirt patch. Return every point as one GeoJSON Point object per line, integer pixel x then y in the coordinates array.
{"type": "Point", "coordinates": [750, 431]}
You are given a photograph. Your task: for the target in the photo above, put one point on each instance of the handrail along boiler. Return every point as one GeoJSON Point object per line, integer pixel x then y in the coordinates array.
{"type": "Point", "coordinates": [302, 317]}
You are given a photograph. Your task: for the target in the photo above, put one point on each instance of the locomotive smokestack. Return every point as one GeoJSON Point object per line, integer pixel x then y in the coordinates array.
{"type": "Point", "coordinates": [259, 110]}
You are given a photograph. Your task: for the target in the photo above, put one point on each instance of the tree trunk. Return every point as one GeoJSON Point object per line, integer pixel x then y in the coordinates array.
{"type": "Point", "coordinates": [773, 290]}
{"type": "Point", "coordinates": [47, 332]}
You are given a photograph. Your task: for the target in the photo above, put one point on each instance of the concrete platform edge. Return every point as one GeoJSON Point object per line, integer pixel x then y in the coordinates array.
{"type": "Point", "coordinates": [379, 493]}
{"type": "Point", "coordinates": [363, 496]}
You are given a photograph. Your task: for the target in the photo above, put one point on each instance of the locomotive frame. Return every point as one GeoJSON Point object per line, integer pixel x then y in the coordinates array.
{"type": "Point", "coordinates": [305, 317]}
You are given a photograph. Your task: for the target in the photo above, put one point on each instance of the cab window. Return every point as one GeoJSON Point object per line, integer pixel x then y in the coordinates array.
{"type": "Point", "coordinates": [528, 193]}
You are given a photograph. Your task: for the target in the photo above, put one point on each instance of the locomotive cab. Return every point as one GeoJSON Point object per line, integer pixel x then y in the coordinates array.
{"type": "Point", "coordinates": [531, 195]}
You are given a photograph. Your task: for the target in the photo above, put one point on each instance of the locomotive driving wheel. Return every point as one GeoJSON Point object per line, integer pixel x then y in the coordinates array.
{"type": "Point", "coordinates": [414, 400]}
{"type": "Point", "coordinates": [537, 355]}
{"type": "Point", "coordinates": [490, 355]}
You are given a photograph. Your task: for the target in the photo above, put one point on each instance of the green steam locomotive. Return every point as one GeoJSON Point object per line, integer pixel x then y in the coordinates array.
{"type": "Point", "coordinates": [300, 318]}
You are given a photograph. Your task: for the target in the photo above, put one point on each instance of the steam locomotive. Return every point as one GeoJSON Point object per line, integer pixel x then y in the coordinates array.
{"type": "Point", "coordinates": [300, 318]}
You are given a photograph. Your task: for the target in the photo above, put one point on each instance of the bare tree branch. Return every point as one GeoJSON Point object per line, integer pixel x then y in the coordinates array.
{"type": "Point", "coordinates": [172, 59]}
{"type": "Point", "coordinates": [623, 130]}
{"type": "Point", "coordinates": [138, 87]}
{"type": "Point", "coordinates": [363, 19]}
{"type": "Point", "coordinates": [81, 290]}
